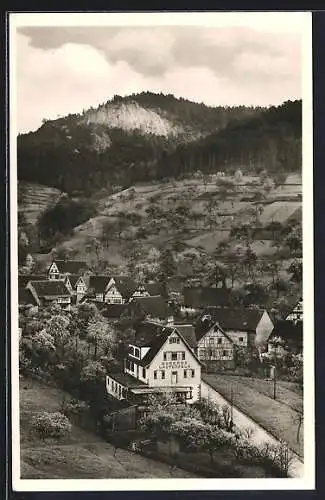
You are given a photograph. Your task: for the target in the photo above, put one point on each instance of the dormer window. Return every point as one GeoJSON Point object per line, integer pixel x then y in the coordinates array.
{"type": "Point", "coordinates": [206, 317]}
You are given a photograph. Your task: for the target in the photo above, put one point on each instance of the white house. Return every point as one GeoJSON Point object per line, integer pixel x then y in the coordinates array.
{"type": "Point", "coordinates": [160, 359]}
{"type": "Point", "coordinates": [49, 292]}
{"type": "Point", "coordinates": [59, 269]}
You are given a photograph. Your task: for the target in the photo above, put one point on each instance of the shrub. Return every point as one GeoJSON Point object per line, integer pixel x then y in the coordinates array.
{"type": "Point", "coordinates": [74, 407]}
{"type": "Point", "coordinates": [51, 425]}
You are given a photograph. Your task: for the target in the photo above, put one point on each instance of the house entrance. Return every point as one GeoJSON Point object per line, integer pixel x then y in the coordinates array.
{"type": "Point", "coordinates": [174, 378]}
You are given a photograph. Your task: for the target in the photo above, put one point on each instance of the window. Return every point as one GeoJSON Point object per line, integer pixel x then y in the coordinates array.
{"type": "Point", "coordinates": [219, 341]}
{"type": "Point", "coordinates": [193, 373]}
{"type": "Point", "coordinates": [165, 356]}
{"type": "Point", "coordinates": [224, 353]}
{"type": "Point", "coordinates": [183, 356]}
{"type": "Point", "coordinates": [185, 373]}
{"type": "Point", "coordinates": [211, 340]}
{"type": "Point", "coordinates": [143, 373]}
{"type": "Point", "coordinates": [241, 339]}
{"type": "Point", "coordinates": [174, 356]}
{"type": "Point", "coordinates": [155, 374]}
{"type": "Point", "coordinates": [137, 352]}
{"type": "Point", "coordinates": [174, 340]}
{"type": "Point", "coordinates": [163, 374]}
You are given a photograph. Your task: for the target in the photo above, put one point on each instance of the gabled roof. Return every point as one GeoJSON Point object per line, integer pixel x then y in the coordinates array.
{"type": "Point", "coordinates": [74, 278]}
{"type": "Point", "coordinates": [70, 266]}
{"type": "Point", "coordinates": [154, 289]}
{"type": "Point", "coordinates": [200, 333]}
{"type": "Point", "coordinates": [153, 335]}
{"type": "Point", "coordinates": [228, 319]}
{"type": "Point", "coordinates": [99, 283]}
{"type": "Point", "coordinates": [111, 310]}
{"type": "Point", "coordinates": [125, 285]}
{"type": "Point", "coordinates": [156, 307]}
{"type": "Point", "coordinates": [188, 333]}
{"type": "Point", "coordinates": [199, 297]}
{"type": "Point", "coordinates": [125, 379]}
{"type": "Point", "coordinates": [25, 297]}
{"type": "Point", "coordinates": [288, 331]}
{"type": "Point", "coordinates": [24, 279]}
{"type": "Point", "coordinates": [50, 288]}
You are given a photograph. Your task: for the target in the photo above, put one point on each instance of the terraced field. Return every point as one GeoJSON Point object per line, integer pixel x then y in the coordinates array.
{"type": "Point", "coordinates": [34, 199]}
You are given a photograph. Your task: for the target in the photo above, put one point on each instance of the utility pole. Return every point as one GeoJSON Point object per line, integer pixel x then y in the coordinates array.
{"type": "Point", "coordinates": [274, 373]}
{"type": "Point", "coordinates": [232, 404]}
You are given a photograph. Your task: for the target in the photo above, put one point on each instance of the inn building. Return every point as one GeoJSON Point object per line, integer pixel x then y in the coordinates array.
{"type": "Point", "coordinates": [160, 359]}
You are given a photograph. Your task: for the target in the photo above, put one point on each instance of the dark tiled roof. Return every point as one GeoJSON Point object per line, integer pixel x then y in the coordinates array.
{"type": "Point", "coordinates": [153, 335]}
{"type": "Point", "coordinates": [73, 278]}
{"type": "Point", "coordinates": [154, 289]}
{"type": "Point", "coordinates": [147, 332]}
{"type": "Point", "coordinates": [24, 279]}
{"type": "Point", "coordinates": [50, 288]}
{"type": "Point", "coordinates": [71, 266]}
{"type": "Point", "coordinates": [199, 297]}
{"type": "Point", "coordinates": [188, 333]}
{"type": "Point", "coordinates": [200, 332]}
{"type": "Point", "coordinates": [229, 319]}
{"type": "Point", "coordinates": [125, 285]}
{"type": "Point", "coordinates": [289, 331]}
{"type": "Point", "coordinates": [98, 283]}
{"type": "Point", "coordinates": [156, 307]}
{"type": "Point", "coordinates": [25, 297]}
{"type": "Point", "coordinates": [125, 379]}
{"type": "Point", "coordinates": [111, 310]}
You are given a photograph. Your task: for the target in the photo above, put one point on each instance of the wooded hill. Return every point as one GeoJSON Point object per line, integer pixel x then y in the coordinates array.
{"type": "Point", "coordinates": [150, 136]}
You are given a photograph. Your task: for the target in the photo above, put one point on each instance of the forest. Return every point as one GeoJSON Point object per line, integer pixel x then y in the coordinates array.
{"type": "Point", "coordinates": [79, 157]}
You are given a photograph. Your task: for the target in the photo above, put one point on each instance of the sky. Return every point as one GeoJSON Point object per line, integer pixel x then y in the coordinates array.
{"type": "Point", "coordinates": [65, 69]}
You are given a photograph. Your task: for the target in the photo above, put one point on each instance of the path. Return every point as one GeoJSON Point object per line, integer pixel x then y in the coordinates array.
{"type": "Point", "coordinates": [260, 435]}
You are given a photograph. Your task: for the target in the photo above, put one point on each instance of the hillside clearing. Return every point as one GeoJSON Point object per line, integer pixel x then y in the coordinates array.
{"type": "Point", "coordinates": [83, 455]}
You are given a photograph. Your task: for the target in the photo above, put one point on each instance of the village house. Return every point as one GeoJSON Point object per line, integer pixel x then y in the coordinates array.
{"type": "Point", "coordinates": [290, 335]}
{"type": "Point", "coordinates": [49, 292]}
{"type": "Point", "coordinates": [150, 309]}
{"type": "Point", "coordinates": [59, 269]}
{"type": "Point", "coordinates": [148, 290]}
{"type": "Point", "coordinates": [120, 290]}
{"type": "Point", "coordinates": [26, 301]}
{"type": "Point", "coordinates": [198, 298]}
{"type": "Point", "coordinates": [245, 327]}
{"type": "Point", "coordinates": [159, 360]}
{"type": "Point", "coordinates": [77, 286]}
{"type": "Point", "coordinates": [296, 312]}
{"type": "Point", "coordinates": [214, 344]}
{"type": "Point", "coordinates": [112, 290]}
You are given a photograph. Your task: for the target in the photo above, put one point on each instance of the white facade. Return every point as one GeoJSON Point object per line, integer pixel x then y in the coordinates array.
{"type": "Point", "coordinates": [296, 313]}
{"type": "Point", "coordinates": [175, 366]}
{"type": "Point", "coordinates": [215, 346]}
{"type": "Point", "coordinates": [263, 330]}
{"type": "Point", "coordinates": [112, 295]}
{"type": "Point", "coordinates": [53, 273]}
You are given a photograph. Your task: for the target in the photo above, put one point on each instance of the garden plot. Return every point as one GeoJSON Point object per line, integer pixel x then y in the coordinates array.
{"type": "Point", "coordinates": [279, 211]}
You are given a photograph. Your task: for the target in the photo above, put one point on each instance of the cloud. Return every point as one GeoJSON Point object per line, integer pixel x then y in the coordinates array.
{"type": "Point", "coordinates": [66, 69]}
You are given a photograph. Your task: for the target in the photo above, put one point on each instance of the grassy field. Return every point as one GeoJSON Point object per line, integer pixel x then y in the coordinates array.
{"type": "Point", "coordinates": [254, 397]}
{"type": "Point", "coordinates": [83, 455]}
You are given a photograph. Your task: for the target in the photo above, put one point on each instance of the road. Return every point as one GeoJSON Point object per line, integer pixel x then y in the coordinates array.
{"type": "Point", "coordinates": [260, 435]}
